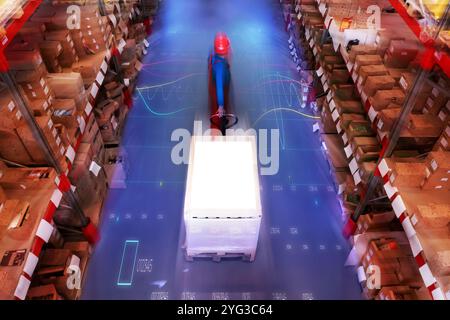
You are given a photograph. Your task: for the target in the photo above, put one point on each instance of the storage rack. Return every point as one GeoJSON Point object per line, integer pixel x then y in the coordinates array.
{"type": "Point", "coordinates": [317, 21]}
{"type": "Point", "coordinates": [46, 201]}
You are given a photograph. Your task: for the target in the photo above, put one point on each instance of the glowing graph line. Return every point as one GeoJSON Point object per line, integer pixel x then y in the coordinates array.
{"type": "Point", "coordinates": [170, 61]}
{"type": "Point", "coordinates": [171, 82]}
{"type": "Point", "coordinates": [160, 114]}
{"type": "Point", "coordinates": [284, 109]}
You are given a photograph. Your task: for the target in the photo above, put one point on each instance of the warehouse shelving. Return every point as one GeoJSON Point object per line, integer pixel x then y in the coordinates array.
{"type": "Point", "coordinates": [46, 201]}
{"type": "Point", "coordinates": [424, 242]}
{"type": "Point", "coordinates": [42, 202]}
{"type": "Point", "coordinates": [307, 11]}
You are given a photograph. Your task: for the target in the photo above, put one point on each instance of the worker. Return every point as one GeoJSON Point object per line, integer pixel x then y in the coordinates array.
{"type": "Point", "coordinates": [220, 70]}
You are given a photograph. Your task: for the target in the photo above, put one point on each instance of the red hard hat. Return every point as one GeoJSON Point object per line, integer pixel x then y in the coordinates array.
{"type": "Point", "coordinates": [221, 44]}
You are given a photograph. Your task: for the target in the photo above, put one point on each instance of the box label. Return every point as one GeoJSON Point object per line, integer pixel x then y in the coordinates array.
{"type": "Point", "coordinates": [434, 165]}
{"type": "Point", "coordinates": [344, 138]}
{"type": "Point", "coordinates": [11, 106]}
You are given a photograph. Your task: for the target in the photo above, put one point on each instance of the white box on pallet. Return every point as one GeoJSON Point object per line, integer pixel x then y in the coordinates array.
{"type": "Point", "coordinates": [222, 208]}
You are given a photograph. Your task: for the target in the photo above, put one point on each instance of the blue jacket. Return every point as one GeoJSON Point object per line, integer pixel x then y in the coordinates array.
{"type": "Point", "coordinates": [221, 76]}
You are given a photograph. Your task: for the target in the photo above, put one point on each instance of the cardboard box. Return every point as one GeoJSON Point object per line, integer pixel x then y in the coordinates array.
{"type": "Point", "coordinates": [366, 169]}
{"type": "Point", "coordinates": [367, 154]}
{"type": "Point", "coordinates": [50, 49]}
{"type": "Point", "coordinates": [407, 80]}
{"type": "Point", "coordinates": [31, 75]}
{"type": "Point", "coordinates": [400, 53]}
{"type": "Point", "coordinates": [65, 113]}
{"type": "Point", "coordinates": [37, 89]}
{"type": "Point", "coordinates": [347, 118]}
{"type": "Point", "coordinates": [433, 215]}
{"type": "Point", "coordinates": [423, 126]}
{"type": "Point", "coordinates": [110, 130]}
{"type": "Point", "coordinates": [39, 107]}
{"type": "Point", "coordinates": [51, 134]}
{"type": "Point", "coordinates": [327, 124]}
{"type": "Point", "coordinates": [78, 247]}
{"type": "Point", "coordinates": [397, 293]}
{"type": "Point", "coordinates": [383, 98]}
{"type": "Point", "coordinates": [3, 197]}
{"type": "Point", "coordinates": [348, 106]}
{"type": "Point", "coordinates": [335, 151]}
{"type": "Point", "coordinates": [375, 221]}
{"type": "Point", "coordinates": [89, 67]}
{"type": "Point", "coordinates": [79, 43]}
{"type": "Point", "coordinates": [356, 142]}
{"type": "Point", "coordinates": [441, 263]}
{"type": "Point", "coordinates": [370, 70]}
{"type": "Point", "coordinates": [69, 86]}
{"type": "Point", "coordinates": [68, 54]}
{"type": "Point", "coordinates": [44, 292]}
{"type": "Point", "coordinates": [443, 143]}
{"type": "Point", "coordinates": [435, 101]}
{"type": "Point", "coordinates": [12, 148]}
{"type": "Point", "coordinates": [360, 129]}
{"type": "Point", "coordinates": [397, 73]}
{"type": "Point", "coordinates": [361, 49]}
{"type": "Point", "coordinates": [436, 182]}
{"type": "Point", "coordinates": [24, 60]}
{"type": "Point", "coordinates": [90, 186]}
{"type": "Point", "coordinates": [28, 178]}
{"type": "Point", "coordinates": [105, 110]}
{"type": "Point", "coordinates": [91, 130]}
{"type": "Point", "coordinates": [406, 174]}
{"type": "Point", "coordinates": [375, 83]}
{"type": "Point", "coordinates": [13, 214]}
{"type": "Point", "coordinates": [366, 59]}
{"type": "Point", "coordinates": [10, 115]}
{"type": "Point", "coordinates": [68, 136]}
{"type": "Point", "coordinates": [437, 172]}
{"type": "Point", "coordinates": [387, 118]}
{"type": "Point", "coordinates": [28, 141]}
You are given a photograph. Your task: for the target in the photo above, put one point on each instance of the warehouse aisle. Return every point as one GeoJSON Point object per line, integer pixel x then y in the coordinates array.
{"type": "Point", "coordinates": [301, 252]}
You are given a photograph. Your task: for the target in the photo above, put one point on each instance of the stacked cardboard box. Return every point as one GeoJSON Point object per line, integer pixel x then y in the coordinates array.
{"type": "Point", "coordinates": [395, 262]}
{"type": "Point", "coordinates": [27, 178]}
{"type": "Point", "coordinates": [68, 56]}
{"type": "Point", "coordinates": [93, 137]}
{"type": "Point", "coordinates": [400, 53]}
{"type": "Point", "coordinates": [30, 72]}
{"type": "Point", "coordinates": [69, 86]}
{"type": "Point", "coordinates": [437, 172]}
{"type": "Point", "coordinates": [88, 176]}
{"type": "Point", "coordinates": [443, 143]}
{"type": "Point", "coordinates": [116, 167]}
{"type": "Point", "coordinates": [54, 269]}
{"type": "Point", "coordinates": [401, 293]}
{"type": "Point", "coordinates": [44, 292]}
{"type": "Point", "coordinates": [376, 221]}
{"type": "Point", "coordinates": [18, 142]}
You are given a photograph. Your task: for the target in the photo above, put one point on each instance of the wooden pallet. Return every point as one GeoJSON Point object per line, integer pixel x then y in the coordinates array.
{"type": "Point", "coordinates": [217, 257]}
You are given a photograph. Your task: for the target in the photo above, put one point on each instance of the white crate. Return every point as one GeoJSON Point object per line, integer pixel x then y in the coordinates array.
{"type": "Point", "coordinates": [222, 208]}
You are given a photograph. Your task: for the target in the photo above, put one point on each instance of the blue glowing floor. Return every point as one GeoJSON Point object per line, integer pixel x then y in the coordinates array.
{"type": "Point", "coordinates": [301, 253]}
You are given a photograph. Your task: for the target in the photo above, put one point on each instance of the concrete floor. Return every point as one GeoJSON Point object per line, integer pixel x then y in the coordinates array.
{"type": "Point", "coordinates": [301, 252]}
